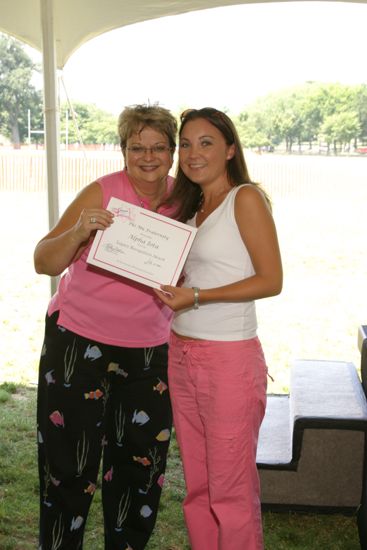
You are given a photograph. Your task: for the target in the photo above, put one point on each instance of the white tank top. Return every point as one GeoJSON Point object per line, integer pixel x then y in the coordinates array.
{"type": "Point", "coordinates": [218, 257]}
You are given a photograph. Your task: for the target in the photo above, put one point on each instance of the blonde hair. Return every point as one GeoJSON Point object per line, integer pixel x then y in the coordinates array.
{"type": "Point", "coordinates": [135, 118]}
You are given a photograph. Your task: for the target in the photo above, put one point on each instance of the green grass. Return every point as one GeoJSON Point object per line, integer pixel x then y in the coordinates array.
{"type": "Point", "coordinates": [19, 497]}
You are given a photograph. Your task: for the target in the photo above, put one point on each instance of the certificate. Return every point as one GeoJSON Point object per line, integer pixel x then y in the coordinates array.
{"type": "Point", "coordinates": [142, 245]}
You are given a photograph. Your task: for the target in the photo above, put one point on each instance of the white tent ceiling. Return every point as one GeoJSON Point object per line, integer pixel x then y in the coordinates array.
{"type": "Point", "coordinates": [77, 21]}
{"type": "Point", "coordinates": [59, 27]}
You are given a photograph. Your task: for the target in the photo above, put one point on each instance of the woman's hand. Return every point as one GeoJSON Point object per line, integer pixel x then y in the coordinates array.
{"type": "Point", "coordinates": [66, 242]}
{"type": "Point", "coordinates": [176, 297]}
{"type": "Point", "coordinates": [89, 221]}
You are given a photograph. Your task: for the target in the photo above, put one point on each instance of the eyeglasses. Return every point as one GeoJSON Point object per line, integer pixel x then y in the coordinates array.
{"type": "Point", "coordinates": [139, 150]}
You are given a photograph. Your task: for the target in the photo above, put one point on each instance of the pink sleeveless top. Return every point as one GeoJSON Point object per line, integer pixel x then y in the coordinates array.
{"type": "Point", "coordinates": [106, 307]}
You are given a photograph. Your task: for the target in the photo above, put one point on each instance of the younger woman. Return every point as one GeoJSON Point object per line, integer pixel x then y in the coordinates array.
{"type": "Point", "coordinates": [217, 371]}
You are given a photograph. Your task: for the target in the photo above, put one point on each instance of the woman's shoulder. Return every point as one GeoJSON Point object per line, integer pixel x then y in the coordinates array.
{"type": "Point", "coordinates": [250, 196]}
{"type": "Point", "coordinates": [112, 178]}
{"type": "Point", "coordinates": [89, 196]}
{"type": "Point", "coordinates": [115, 184]}
{"type": "Point", "coordinates": [249, 191]}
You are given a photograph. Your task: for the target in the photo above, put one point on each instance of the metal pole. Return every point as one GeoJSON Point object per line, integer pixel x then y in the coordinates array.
{"type": "Point", "coordinates": [52, 131]}
{"type": "Point", "coordinates": [67, 129]}
{"type": "Point", "coordinates": [29, 127]}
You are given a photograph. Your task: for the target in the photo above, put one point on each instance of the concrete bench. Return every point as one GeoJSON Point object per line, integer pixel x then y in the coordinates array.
{"type": "Point", "coordinates": [311, 452]}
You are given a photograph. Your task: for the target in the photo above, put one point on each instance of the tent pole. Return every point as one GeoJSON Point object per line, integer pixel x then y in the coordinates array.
{"type": "Point", "coordinates": [52, 131]}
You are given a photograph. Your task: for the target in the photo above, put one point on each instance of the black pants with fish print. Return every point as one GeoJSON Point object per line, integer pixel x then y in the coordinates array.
{"type": "Point", "coordinates": [97, 400]}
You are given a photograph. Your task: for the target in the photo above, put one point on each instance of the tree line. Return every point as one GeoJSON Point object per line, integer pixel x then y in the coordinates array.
{"type": "Point", "coordinates": [332, 116]}
{"type": "Point", "coordinates": [21, 105]}
{"type": "Point", "coordinates": [17, 93]}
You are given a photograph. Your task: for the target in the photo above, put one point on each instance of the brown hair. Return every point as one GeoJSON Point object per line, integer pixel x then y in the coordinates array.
{"type": "Point", "coordinates": [186, 193]}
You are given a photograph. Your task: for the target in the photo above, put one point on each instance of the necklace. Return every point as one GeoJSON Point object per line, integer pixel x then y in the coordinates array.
{"type": "Point", "coordinates": [140, 201]}
{"type": "Point", "coordinates": [139, 197]}
{"type": "Point", "coordinates": [216, 201]}
{"type": "Point", "coordinates": [152, 198]}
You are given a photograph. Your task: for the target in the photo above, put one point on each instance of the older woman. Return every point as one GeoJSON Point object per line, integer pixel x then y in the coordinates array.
{"type": "Point", "coordinates": [103, 369]}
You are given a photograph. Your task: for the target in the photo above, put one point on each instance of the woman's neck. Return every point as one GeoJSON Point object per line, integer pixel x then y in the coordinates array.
{"type": "Point", "coordinates": [212, 198]}
{"type": "Point", "coordinates": [151, 193]}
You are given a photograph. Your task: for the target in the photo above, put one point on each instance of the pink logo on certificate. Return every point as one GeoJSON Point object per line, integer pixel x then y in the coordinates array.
{"type": "Point", "coordinates": [124, 214]}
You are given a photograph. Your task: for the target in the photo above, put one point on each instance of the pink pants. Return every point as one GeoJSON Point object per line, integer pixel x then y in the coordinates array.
{"type": "Point", "coordinates": [218, 392]}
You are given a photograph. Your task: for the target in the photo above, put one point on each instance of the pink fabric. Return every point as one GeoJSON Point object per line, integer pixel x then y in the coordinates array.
{"type": "Point", "coordinates": [218, 393]}
{"type": "Point", "coordinates": [108, 308]}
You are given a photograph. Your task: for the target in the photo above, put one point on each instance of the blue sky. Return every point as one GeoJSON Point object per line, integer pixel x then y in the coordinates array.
{"type": "Point", "coordinates": [224, 57]}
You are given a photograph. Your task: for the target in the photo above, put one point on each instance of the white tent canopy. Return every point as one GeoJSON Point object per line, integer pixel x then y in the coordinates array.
{"type": "Point", "coordinates": [59, 27]}
{"type": "Point", "coordinates": [74, 22]}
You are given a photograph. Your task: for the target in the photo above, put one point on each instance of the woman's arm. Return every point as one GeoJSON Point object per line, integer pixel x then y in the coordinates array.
{"type": "Point", "coordinates": [258, 233]}
{"type": "Point", "coordinates": [67, 240]}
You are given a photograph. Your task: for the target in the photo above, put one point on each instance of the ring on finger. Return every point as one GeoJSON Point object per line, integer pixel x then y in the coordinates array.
{"type": "Point", "coordinates": [93, 219]}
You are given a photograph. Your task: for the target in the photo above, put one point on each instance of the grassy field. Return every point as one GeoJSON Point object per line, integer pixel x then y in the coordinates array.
{"type": "Point", "coordinates": [322, 239]}
{"type": "Point", "coordinates": [19, 498]}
